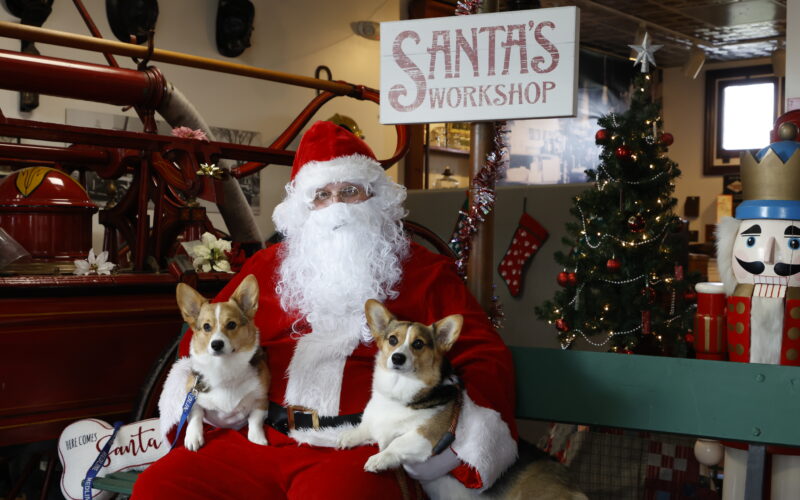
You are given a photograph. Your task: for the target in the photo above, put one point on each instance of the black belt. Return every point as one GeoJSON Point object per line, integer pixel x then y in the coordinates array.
{"type": "Point", "coordinates": [285, 419]}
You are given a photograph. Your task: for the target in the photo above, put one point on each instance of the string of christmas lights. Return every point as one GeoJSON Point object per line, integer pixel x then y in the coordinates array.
{"type": "Point", "coordinates": [645, 240]}
{"type": "Point", "coordinates": [611, 335]}
{"type": "Point", "coordinates": [631, 183]}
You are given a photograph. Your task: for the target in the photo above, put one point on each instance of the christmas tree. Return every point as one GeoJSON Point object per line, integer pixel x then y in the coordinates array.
{"type": "Point", "coordinates": [623, 282]}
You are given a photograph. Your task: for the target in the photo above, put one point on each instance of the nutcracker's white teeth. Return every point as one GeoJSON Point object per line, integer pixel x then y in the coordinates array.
{"type": "Point", "coordinates": [770, 286]}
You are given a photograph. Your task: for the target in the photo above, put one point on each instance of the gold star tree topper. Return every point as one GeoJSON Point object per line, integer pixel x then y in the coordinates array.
{"type": "Point", "coordinates": [644, 53]}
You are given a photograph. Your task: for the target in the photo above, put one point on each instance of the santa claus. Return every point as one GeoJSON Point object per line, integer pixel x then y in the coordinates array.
{"type": "Point", "coordinates": [759, 264]}
{"type": "Point", "coordinates": [344, 244]}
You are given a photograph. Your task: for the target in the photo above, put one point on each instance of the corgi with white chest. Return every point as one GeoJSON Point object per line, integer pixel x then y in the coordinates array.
{"type": "Point", "coordinates": [228, 368]}
{"type": "Point", "coordinates": [414, 402]}
{"type": "Point", "coordinates": [415, 407]}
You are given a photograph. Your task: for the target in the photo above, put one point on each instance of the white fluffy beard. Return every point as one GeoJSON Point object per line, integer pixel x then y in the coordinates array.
{"type": "Point", "coordinates": [340, 257]}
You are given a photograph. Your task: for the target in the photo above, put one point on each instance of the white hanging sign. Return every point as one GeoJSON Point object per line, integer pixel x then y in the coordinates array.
{"type": "Point", "coordinates": [508, 65]}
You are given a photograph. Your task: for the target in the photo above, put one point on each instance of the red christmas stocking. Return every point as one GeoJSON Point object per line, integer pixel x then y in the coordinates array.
{"type": "Point", "coordinates": [529, 236]}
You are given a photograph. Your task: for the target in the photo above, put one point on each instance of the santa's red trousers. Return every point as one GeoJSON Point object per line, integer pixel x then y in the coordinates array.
{"type": "Point", "coordinates": [229, 466]}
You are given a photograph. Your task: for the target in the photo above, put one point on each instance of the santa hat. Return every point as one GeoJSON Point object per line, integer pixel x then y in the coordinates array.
{"type": "Point", "coordinates": [330, 153]}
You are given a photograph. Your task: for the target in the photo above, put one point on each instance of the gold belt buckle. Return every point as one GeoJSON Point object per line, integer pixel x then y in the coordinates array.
{"type": "Point", "coordinates": [290, 409]}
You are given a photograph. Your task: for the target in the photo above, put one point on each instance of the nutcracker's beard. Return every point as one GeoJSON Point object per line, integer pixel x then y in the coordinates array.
{"type": "Point", "coordinates": [342, 256]}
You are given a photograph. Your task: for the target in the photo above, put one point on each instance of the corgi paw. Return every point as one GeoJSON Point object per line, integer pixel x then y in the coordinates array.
{"type": "Point", "coordinates": [256, 435]}
{"type": "Point", "coordinates": [351, 438]}
{"type": "Point", "coordinates": [193, 440]}
{"type": "Point", "coordinates": [381, 461]}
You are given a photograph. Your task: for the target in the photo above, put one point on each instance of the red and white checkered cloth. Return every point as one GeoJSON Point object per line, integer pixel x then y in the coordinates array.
{"type": "Point", "coordinates": [670, 468]}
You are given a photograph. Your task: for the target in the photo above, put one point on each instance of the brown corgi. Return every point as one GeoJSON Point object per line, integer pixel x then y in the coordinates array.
{"type": "Point", "coordinates": [228, 368]}
{"type": "Point", "coordinates": [414, 400]}
{"type": "Point", "coordinates": [415, 406]}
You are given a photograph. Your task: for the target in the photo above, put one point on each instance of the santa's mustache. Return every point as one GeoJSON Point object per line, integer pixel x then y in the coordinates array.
{"type": "Point", "coordinates": [758, 267]}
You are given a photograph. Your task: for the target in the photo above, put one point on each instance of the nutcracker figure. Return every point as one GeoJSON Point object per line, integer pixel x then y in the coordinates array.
{"type": "Point", "coordinates": [758, 254]}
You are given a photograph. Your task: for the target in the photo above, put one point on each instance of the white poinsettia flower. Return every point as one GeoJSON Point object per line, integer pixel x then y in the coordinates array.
{"type": "Point", "coordinates": [81, 267]}
{"type": "Point", "coordinates": [201, 251]}
{"type": "Point", "coordinates": [208, 239]}
{"type": "Point", "coordinates": [94, 264]}
{"type": "Point", "coordinates": [223, 245]}
{"type": "Point", "coordinates": [102, 266]}
{"type": "Point", "coordinates": [222, 266]}
{"type": "Point", "coordinates": [209, 254]}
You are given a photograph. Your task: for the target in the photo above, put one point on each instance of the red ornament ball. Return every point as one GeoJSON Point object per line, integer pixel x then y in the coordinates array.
{"type": "Point", "coordinates": [667, 139]}
{"type": "Point", "coordinates": [562, 278]}
{"type": "Point", "coordinates": [649, 293]}
{"type": "Point", "coordinates": [572, 279]}
{"type": "Point", "coordinates": [689, 296]}
{"type": "Point", "coordinates": [602, 136]}
{"type": "Point", "coordinates": [690, 338]}
{"type": "Point", "coordinates": [624, 154]}
{"type": "Point", "coordinates": [561, 325]}
{"type": "Point", "coordinates": [636, 223]}
{"type": "Point", "coordinates": [613, 265]}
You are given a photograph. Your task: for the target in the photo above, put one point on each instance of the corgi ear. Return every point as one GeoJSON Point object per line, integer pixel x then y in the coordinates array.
{"type": "Point", "coordinates": [189, 302]}
{"type": "Point", "coordinates": [378, 317]}
{"type": "Point", "coordinates": [246, 296]}
{"type": "Point", "coordinates": [447, 330]}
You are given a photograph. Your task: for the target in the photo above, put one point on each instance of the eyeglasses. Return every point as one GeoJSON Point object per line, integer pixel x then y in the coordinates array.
{"type": "Point", "coordinates": [347, 193]}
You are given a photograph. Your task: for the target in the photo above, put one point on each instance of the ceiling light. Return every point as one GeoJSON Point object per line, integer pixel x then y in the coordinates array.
{"type": "Point", "coordinates": [368, 29]}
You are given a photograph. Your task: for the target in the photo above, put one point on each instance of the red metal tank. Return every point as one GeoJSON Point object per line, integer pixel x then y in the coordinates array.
{"type": "Point", "coordinates": [47, 212]}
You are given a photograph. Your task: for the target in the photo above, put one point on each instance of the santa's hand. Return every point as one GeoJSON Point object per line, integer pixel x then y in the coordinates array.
{"type": "Point", "coordinates": [434, 467]}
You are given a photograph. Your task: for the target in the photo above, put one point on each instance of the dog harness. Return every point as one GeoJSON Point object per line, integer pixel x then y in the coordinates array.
{"type": "Point", "coordinates": [440, 395]}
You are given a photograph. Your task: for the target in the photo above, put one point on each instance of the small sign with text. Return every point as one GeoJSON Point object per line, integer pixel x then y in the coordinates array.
{"type": "Point", "coordinates": [508, 65]}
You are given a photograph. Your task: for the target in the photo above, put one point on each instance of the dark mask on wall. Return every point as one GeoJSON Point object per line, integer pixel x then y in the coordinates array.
{"type": "Point", "coordinates": [234, 26]}
{"type": "Point", "coordinates": [30, 12]}
{"type": "Point", "coordinates": [132, 18]}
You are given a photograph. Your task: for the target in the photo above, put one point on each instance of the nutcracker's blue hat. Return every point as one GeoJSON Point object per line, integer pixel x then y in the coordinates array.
{"type": "Point", "coordinates": [771, 182]}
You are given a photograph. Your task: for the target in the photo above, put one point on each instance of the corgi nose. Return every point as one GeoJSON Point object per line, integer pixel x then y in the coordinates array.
{"type": "Point", "coordinates": [398, 358]}
{"type": "Point", "coordinates": [217, 345]}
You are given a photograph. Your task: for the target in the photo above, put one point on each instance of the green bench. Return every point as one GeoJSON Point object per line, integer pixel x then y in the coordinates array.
{"type": "Point", "coordinates": [117, 482]}
{"type": "Point", "coordinates": [753, 403]}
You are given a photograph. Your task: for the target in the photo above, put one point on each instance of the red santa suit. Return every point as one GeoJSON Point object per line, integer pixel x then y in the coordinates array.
{"type": "Point", "coordinates": [232, 467]}
{"type": "Point", "coordinates": [325, 364]}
